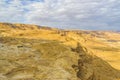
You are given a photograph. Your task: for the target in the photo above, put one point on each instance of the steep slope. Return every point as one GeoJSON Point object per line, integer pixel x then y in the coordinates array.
{"type": "Point", "coordinates": [30, 52]}
{"type": "Point", "coordinates": [91, 67]}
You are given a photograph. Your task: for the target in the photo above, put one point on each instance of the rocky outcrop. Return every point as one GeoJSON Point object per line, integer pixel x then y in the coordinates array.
{"type": "Point", "coordinates": [40, 60]}
{"type": "Point", "coordinates": [91, 67]}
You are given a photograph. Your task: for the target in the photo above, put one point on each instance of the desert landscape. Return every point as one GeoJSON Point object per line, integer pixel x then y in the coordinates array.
{"type": "Point", "coordinates": [32, 52]}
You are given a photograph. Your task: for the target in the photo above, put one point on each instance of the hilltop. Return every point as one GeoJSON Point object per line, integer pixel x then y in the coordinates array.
{"type": "Point", "coordinates": [32, 52]}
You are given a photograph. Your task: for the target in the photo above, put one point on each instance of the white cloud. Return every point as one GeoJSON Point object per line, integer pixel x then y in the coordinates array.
{"type": "Point", "coordinates": [80, 14]}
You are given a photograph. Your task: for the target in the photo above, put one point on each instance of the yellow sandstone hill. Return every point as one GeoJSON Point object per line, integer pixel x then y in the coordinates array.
{"type": "Point", "coordinates": [31, 52]}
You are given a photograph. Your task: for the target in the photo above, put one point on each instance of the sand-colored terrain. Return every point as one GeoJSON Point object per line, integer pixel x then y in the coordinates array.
{"type": "Point", "coordinates": [31, 52]}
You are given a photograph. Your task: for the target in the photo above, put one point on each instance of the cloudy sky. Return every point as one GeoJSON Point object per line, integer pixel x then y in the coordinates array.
{"type": "Point", "coordinates": [69, 14]}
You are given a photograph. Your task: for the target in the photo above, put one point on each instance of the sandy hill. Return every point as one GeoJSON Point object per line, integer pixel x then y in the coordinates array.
{"type": "Point", "coordinates": [31, 52]}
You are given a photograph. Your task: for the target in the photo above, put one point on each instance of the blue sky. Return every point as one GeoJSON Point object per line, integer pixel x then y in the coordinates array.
{"type": "Point", "coordinates": [68, 14]}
